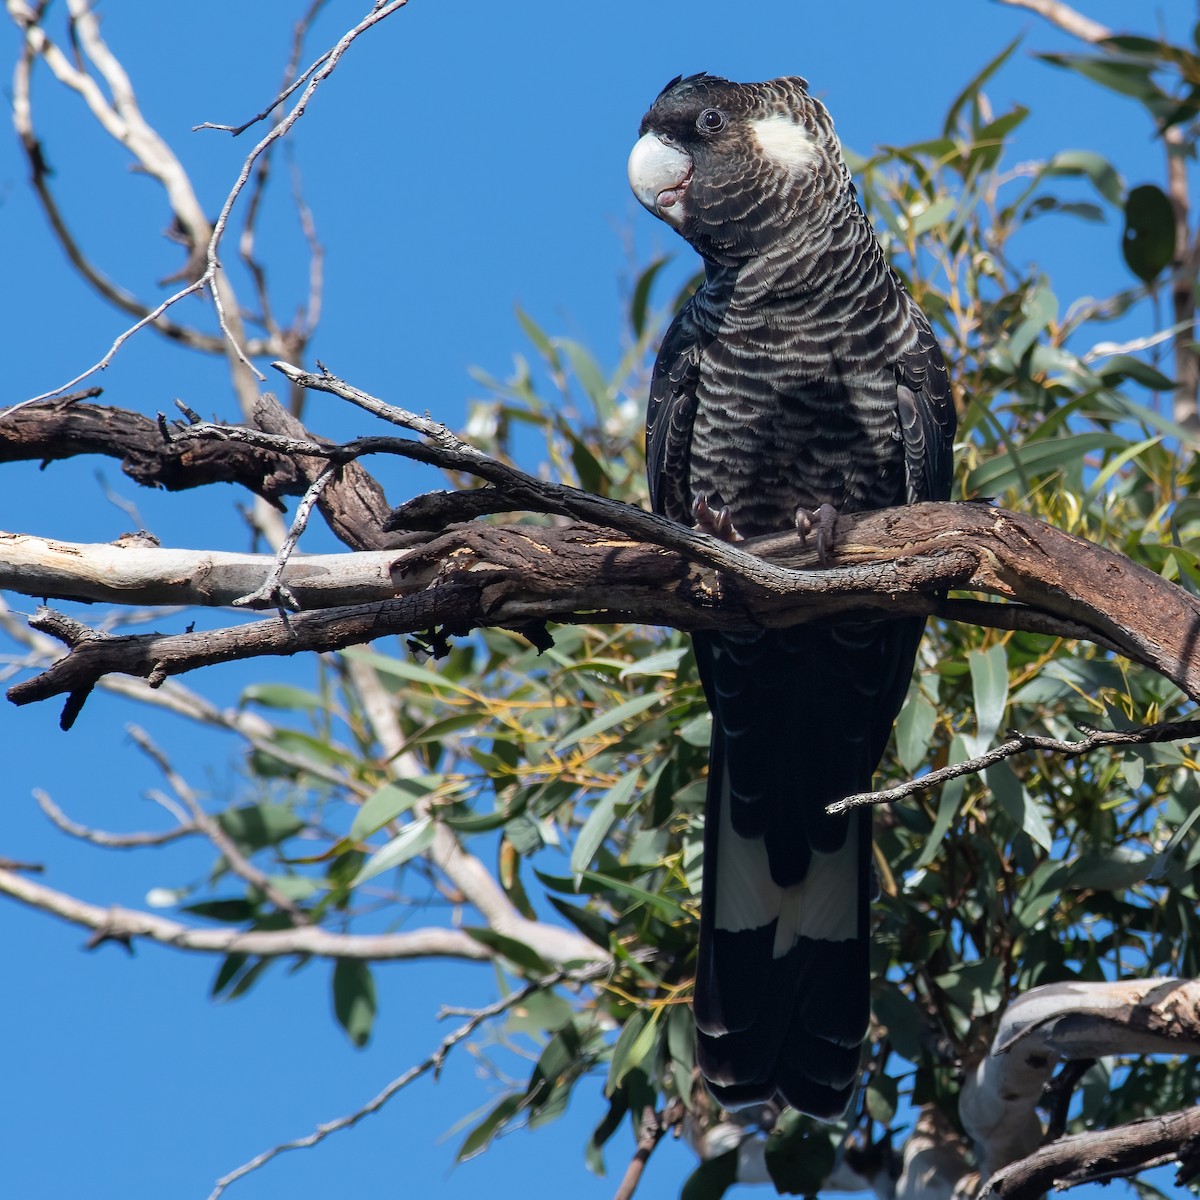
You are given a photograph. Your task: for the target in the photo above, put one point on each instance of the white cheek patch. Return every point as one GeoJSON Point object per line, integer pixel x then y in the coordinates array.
{"type": "Point", "coordinates": [785, 142]}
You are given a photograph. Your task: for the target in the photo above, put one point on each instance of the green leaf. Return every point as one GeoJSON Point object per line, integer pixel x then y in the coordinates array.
{"type": "Point", "coordinates": [231, 967]}
{"type": "Point", "coordinates": [623, 1058]}
{"type": "Point", "coordinates": [256, 826]}
{"type": "Point", "coordinates": [354, 999]}
{"type": "Point", "coordinates": [281, 695]}
{"type": "Point", "coordinates": [989, 683]}
{"type": "Point", "coordinates": [1119, 367]}
{"type": "Point", "coordinates": [401, 669]}
{"type": "Point", "coordinates": [606, 720]}
{"type": "Point", "coordinates": [1124, 76]}
{"type": "Point", "coordinates": [233, 911]}
{"type": "Point", "coordinates": [412, 840]}
{"type": "Point", "coordinates": [903, 1019]}
{"type": "Point", "coordinates": [1009, 469]}
{"type": "Point", "coordinates": [1039, 310]}
{"type": "Point", "coordinates": [971, 91]}
{"type": "Point", "coordinates": [1108, 871]}
{"type": "Point", "coordinates": [712, 1179]}
{"type": "Point", "coordinates": [665, 906]}
{"type": "Point", "coordinates": [600, 821]}
{"type": "Point", "coordinates": [388, 803]}
{"type": "Point", "coordinates": [665, 662]}
{"type": "Point", "coordinates": [976, 988]}
{"type": "Point", "coordinates": [480, 1138]}
{"type": "Point", "coordinates": [800, 1154]}
{"type": "Point", "coordinates": [588, 372]}
{"type": "Point", "coordinates": [931, 217]}
{"type": "Point", "coordinates": [1148, 242]}
{"type": "Point", "coordinates": [1095, 167]}
{"type": "Point", "coordinates": [948, 805]}
{"type": "Point", "coordinates": [914, 729]}
{"type": "Point", "coordinates": [1018, 804]}
{"type": "Point", "coordinates": [618, 1106]}
{"type": "Point", "coordinates": [591, 924]}
{"type": "Point", "coordinates": [543, 344]}
{"type": "Point", "coordinates": [883, 1097]}
{"type": "Point", "coordinates": [640, 300]}
{"type": "Point", "coordinates": [515, 950]}
{"type": "Point", "coordinates": [681, 1046]}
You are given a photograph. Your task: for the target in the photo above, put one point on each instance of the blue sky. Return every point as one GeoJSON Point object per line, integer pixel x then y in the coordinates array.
{"type": "Point", "coordinates": [464, 158]}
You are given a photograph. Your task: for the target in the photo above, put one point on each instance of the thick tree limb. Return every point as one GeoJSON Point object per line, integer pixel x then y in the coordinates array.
{"type": "Point", "coordinates": [127, 924]}
{"type": "Point", "coordinates": [1099, 1157]}
{"type": "Point", "coordinates": [1066, 1021]}
{"type": "Point", "coordinates": [886, 563]}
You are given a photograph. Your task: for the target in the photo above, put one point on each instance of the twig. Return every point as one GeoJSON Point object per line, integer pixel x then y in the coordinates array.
{"type": "Point", "coordinates": [378, 13]}
{"type": "Point", "coordinates": [127, 923]}
{"type": "Point", "coordinates": [237, 862]}
{"type": "Point", "coordinates": [650, 1132]}
{"type": "Point", "coordinates": [290, 80]}
{"type": "Point", "coordinates": [273, 592]}
{"type": "Point", "coordinates": [1066, 18]}
{"type": "Point", "coordinates": [111, 841]}
{"type": "Point", "coordinates": [1018, 743]}
{"type": "Point", "coordinates": [123, 120]}
{"type": "Point", "coordinates": [432, 1063]}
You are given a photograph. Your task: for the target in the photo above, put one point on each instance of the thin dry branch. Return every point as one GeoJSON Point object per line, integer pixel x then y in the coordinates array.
{"type": "Point", "coordinates": [886, 564]}
{"type": "Point", "coordinates": [1066, 18]}
{"type": "Point", "coordinates": [1020, 743]}
{"type": "Point", "coordinates": [101, 837]}
{"type": "Point", "coordinates": [236, 861]}
{"type": "Point", "coordinates": [433, 1063]}
{"type": "Point", "coordinates": [126, 924]}
{"type": "Point", "coordinates": [1099, 1157]}
{"type": "Point", "coordinates": [122, 119]}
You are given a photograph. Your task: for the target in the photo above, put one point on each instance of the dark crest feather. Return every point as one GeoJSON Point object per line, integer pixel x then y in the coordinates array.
{"type": "Point", "coordinates": [681, 79]}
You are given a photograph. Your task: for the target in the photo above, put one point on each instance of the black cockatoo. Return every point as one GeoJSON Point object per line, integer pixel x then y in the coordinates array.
{"type": "Point", "coordinates": [800, 377]}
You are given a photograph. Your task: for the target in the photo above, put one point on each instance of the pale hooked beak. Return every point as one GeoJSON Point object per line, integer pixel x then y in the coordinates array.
{"type": "Point", "coordinates": [659, 175]}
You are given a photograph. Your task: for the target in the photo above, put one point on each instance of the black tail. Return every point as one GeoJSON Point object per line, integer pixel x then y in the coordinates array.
{"type": "Point", "coordinates": [801, 717]}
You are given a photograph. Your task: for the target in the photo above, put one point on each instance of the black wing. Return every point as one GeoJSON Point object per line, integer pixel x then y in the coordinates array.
{"type": "Point", "coordinates": [927, 416]}
{"type": "Point", "coordinates": [669, 417]}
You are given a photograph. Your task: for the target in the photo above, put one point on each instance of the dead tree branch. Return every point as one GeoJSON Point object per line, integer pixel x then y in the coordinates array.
{"type": "Point", "coordinates": [886, 564]}
{"type": "Point", "coordinates": [1066, 1021]}
{"type": "Point", "coordinates": [1020, 743]}
{"type": "Point", "coordinates": [1100, 1157]}
{"type": "Point", "coordinates": [433, 1063]}
{"type": "Point", "coordinates": [127, 924]}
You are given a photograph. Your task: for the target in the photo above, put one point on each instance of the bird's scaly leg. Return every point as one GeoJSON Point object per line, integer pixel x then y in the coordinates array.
{"type": "Point", "coordinates": [718, 523]}
{"type": "Point", "coordinates": [824, 521]}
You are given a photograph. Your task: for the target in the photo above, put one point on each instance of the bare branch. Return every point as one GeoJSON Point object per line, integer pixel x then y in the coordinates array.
{"type": "Point", "coordinates": [650, 1132]}
{"type": "Point", "coordinates": [237, 862]}
{"type": "Point", "coordinates": [123, 120]}
{"type": "Point", "coordinates": [1066, 18]}
{"type": "Point", "coordinates": [1019, 743]}
{"type": "Point", "coordinates": [1067, 1021]}
{"type": "Point", "coordinates": [110, 841]}
{"type": "Point", "coordinates": [130, 924]}
{"type": "Point", "coordinates": [273, 592]}
{"type": "Point", "coordinates": [433, 1063]}
{"type": "Point", "coordinates": [888, 563]}
{"type": "Point", "coordinates": [1099, 1157]}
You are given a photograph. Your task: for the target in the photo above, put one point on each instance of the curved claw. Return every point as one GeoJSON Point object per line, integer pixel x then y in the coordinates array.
{"type": "Point", "coordinates": [717, 523]}
{"type": "Point", "coordinates": [824, 521]}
